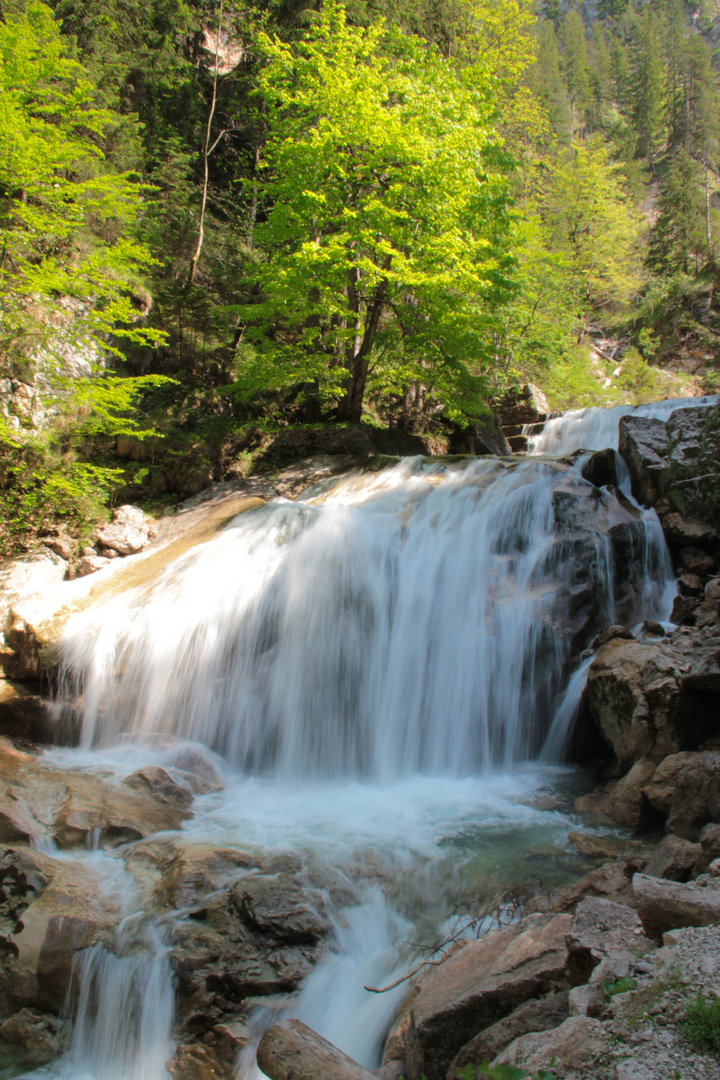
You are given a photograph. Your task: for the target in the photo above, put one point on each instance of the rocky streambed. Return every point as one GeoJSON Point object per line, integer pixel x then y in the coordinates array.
{"type": "Point", "coordinates": [102, 856]}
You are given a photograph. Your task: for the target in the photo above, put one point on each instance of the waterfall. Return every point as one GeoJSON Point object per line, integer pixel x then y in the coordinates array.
{"type": "Point", "coordinates": [377, 664]}
{"type": "Point", "coordinates": [410, 621]}
{"type": "Point", "coordinates": [595, 428]}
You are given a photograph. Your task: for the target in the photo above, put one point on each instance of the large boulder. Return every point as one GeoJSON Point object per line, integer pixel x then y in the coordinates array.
{"type": "Point", "coordinates": [634, 696]}
{"type": "Point", "coordinates": [649, 698]}
{"type": "Point", "coordinates": [676, 458]}
{"type": "Point", "coordinates": [685, 788]}
{"type": "Point", "coordinates": [667, 905]}
{"type": "Point", "coordinates": [479, 985]}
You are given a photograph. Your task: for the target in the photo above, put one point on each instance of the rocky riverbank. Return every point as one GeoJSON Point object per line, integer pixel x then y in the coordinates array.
{"type": "Point", "coordinates": [547, 989]}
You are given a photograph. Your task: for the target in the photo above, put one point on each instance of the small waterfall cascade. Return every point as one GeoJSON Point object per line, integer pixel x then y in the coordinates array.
{"type": "Point", "coordinates": [416, 620]}
{"type": "Point", "coordinates": [120, 1002]}
{"type": "Point", "coordinates": [595, 428]}
{"type": "Point", "coordinates": [377, 664]}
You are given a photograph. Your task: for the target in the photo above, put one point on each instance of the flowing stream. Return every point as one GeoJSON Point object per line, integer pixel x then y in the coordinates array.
{"type": "Point", "coordinates": [388, 673]}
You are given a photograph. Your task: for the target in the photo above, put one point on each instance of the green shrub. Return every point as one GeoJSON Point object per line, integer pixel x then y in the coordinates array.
{"type": "Point", "coordinates": [701, 1023]}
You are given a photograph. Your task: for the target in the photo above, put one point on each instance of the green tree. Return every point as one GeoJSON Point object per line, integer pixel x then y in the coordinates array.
{"type": "Point", "coordinates": [68, 260]}
{"type": "Point", "coordinates": [387, 229]}
{"type": "Point", "coordinates": [577, 77]}
{"type": "Point", "coordinates": [648, 73]}
{"type": "Point", "coordinates": [678, 237]}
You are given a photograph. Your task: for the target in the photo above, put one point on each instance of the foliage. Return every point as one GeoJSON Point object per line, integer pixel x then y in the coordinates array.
{"type": "Point", "coordinates": [67, 257]}
{"type": "Point", "coordinates": [503, 1072]}
{"type": "Point", "coordinates": [701, 1023]}
{"type": "Point", "coordinates": [618, 986]}
{"type": "Point", "coordinates": [388, 225]}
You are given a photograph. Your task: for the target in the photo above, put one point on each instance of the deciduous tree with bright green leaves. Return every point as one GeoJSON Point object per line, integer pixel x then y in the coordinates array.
{"type": "Point", "coordinates": [385, 247]}
{"type": "Point", "coordinates": [68, 259]}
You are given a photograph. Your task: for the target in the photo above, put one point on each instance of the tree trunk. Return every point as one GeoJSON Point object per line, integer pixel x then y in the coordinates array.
{"type": "Point", "coordinates": [206, 156]}
{"type": "Point", "coordinates": [350, 407]}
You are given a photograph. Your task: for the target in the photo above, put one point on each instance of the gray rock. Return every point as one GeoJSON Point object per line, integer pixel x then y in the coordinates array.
{"type": "Point", "coordinates": [601, 927]}
{"type": "Point", "coordinates": [479, 985]}
{"type": "Point", "coordinates": [540, 1015]}
{"type": "Point", "coordinates": [685, 788]}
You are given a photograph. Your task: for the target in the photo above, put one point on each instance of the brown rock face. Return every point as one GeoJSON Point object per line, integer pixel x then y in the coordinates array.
{"type": "Point", "coordinates": [635, 699]}
{"type": "Point", "coordinates": [541, 1015]}
{"type": "Point", "coordinates": [686, 789]}
{"type": "Point", "coordinates": [668, 905]}
{"type": "Point", "coordinates": [677, 458]}
{"type": "Point", "coordinates": [479, 985]}
{"type": "Point", "coordinates": [71, 805]}
{"type": "Point", "coordinates": [48, 910]}
{"type": "Point", "coordinates": [261, 936]}
{"type": "Point", "coordinates": [673, 859]}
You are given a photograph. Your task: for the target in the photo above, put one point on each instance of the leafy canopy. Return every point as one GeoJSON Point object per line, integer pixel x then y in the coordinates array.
{"type": "Point", "coordinates": [67, 255]}
{"type": "Point", "coordinates": [386, 239]}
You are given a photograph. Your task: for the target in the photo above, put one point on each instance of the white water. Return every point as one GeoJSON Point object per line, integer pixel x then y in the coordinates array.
{"type": "Point", "coordinates": [376, 667]}
{"type": "Point", "coordinates": [596, 429]}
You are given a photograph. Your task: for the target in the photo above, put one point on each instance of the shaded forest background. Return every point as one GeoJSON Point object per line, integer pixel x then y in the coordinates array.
{"type": "Point", "coordinates": [219, 220]}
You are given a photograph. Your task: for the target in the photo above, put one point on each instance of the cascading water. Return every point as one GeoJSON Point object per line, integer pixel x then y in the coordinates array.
{"type": "Point", "coordinates": [595, 428]}
{"type": "Point", "coordinates": [379, 664]}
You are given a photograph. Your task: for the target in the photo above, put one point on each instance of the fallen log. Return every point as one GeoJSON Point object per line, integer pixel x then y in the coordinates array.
{"type": "Point", "coordinates": [667, 905]}
{"type": "Point", "coordinates": [291, 1050]}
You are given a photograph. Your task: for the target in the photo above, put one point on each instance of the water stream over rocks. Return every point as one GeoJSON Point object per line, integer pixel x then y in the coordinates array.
{"type": "Point", "coordinates": [385, 671]}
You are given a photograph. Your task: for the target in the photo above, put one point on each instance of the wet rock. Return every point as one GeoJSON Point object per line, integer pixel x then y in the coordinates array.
{"type": "Point", "coordinates": [600, 468]}
{"type": "Point", "coordinates": [196, 767]}
{"type": "Point", "coordinates": [596, 847]}
{"type": "Point", "coordinates": [481, 984]}
{"type": "Point", "coordinates": [177, 873]}
{"type": "Point", "coordinates": [528, 405]}
{"type": "Point", "coordinates": [666, 905]}
{"type": "Point", "coordinates": [599, 928]}
{"type": "Point", "coordinates": [569, 1047]}
{"type": "Point", "coordinates": [291, 1050]}
{"type": "Point", "coordinates": [49, 909]}
{"type": "Point", "coordinates": [696, 562]}
{"type": "Point", "coordinates": [541, 1015]}
{"type": "Point", "coordinates": [128, 533]}
{"type": "Point", "coordinates": [260, 936]}
{"type": "Point", "coordinates": [704, 674]}
{"type": "Point", "coordinates": [686, 790]}
{"type": "Point", "coordinates": [686, 530]}
{"type": "Point", "coordinates": [611, 633]}
{"type": "Point", "coordinates": [643, 442]}
{"type": "Point", "coordinates": [684, 610]}
{"type": "Point", "coordinates": [39, 1033]}
{"type": "Point", "coordinates": [674, 859]}
{"type": "Point", "coordinates": [629, 805]}
{"type": "Point", "coordinates": [72, 806]}
{"type": "Point", "coordinates": [90, 564]}
{"type": "Point", "coordinates": [485, 437]}
{"type": "Point", "coordinates": [26, 716]}
{"type": "Point", "coordinates": [678, 459]}
{"type": "Point", "coordinates": [199, 1062]}
{"type": "Point", "coordinates": [157, 782]}
{"type": "Point", "coordinates": [24, 584]}
{"type": "Point", "coordinates": [690, 584]}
